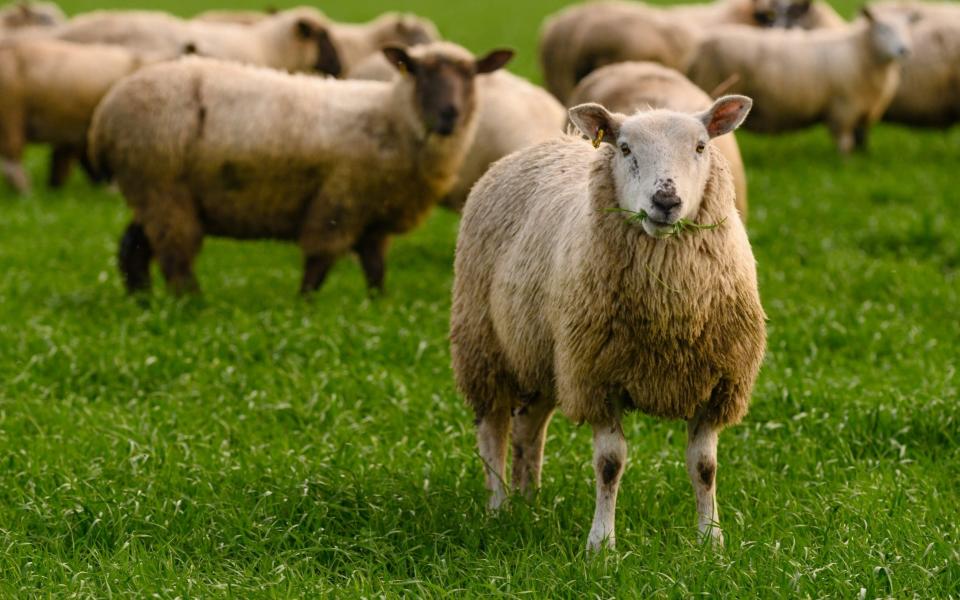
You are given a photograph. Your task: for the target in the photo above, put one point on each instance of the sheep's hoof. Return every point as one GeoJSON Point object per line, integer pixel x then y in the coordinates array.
{"type": "Point", "coordinates": [497, 502]}
{"type": "Point", "coordinates": [596, 544]}
{"type": "Point", "coordinates": [713, 537]}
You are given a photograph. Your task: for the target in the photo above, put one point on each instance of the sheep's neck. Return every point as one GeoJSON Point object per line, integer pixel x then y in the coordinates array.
{"type": "Point", "coordinates": [437, 158]}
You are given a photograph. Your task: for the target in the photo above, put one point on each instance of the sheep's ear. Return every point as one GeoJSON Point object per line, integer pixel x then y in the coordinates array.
{"type": "Point", "coordinates": [328, 59]}
{"type": "Point", "coordinates": [867, 13]}
{"type": "Point", "coordinates": [399, 58]}
{"type": "Point", "coordinates": [596, 122]}
{"type": "Point", "coordinates": [726, 114]}
{"type": "Point", "coordinates": [494, 61]}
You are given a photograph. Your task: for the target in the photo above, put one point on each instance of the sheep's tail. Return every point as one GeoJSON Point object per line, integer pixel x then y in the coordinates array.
{"type": "Point", "coordinates": [725, 85]}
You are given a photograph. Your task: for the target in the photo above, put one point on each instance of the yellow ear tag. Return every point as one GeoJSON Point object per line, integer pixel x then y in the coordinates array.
{"type": "Point", "coordinates": [599, 140]}
{"type": "Point", "coordinates": [402, 67]}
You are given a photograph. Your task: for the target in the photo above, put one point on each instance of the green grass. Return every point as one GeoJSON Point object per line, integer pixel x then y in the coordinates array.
{"type": "Point", "coordinates": [250, 444]}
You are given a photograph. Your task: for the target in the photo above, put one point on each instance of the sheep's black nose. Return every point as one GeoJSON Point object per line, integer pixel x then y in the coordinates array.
{"type": "Point", "coordinates": [449, 113]}
{"type": "Point", "coordinates": [666, 200]}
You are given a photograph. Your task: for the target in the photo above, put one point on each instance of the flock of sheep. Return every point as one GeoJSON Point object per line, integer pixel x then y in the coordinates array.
{"type": "Point", "coordinates": [602, 265]}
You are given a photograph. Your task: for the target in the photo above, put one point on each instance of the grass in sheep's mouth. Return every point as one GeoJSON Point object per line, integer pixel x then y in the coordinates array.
{"type": "Point", "coordinates": [639, 216]}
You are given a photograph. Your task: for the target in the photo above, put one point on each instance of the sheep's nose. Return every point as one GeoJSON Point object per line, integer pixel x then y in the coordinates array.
{"type": "Point", "coordinates": [666, 200]}
{"type": "Point", "coordinates": [449, 113]}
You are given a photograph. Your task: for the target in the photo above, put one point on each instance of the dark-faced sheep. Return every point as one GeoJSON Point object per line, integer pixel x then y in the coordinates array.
{"type": "Point", "coordinates": [202, 147]}
{"type": "Point", "coordinates": [578, 286]}
{"type": "Point", "coordinates": [631, 86]}
{"type": "Point", "coordinates": [293, 40]}
{"type": "Point", "coordinates": [844, 78]}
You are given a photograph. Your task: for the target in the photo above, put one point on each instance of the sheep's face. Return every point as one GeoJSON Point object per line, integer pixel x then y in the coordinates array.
{"type": "Point", "coordinates": [661, 164]}
{"type": "Point", "coordinates": [306, 44]}
{"type": "Point", "coordinates": [443, 81]}
{"type": "Point", "coordinates": [781, 13]}
{"type": "Point", "coordinates": [889, 34]}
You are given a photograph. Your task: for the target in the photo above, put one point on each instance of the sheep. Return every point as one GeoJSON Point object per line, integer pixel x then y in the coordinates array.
{"type": "Point", "coordinates": [631, 86]}
{"type": "Point", "coordinates": [512, 113]}
{"type": "Point", "coordinates": [51, 89]}
{"type": "Point", "coordinates": [26, 15]}
{"type": "Point", "coordinates": [204, 147]}
{"type": "Point", "coordinates": [292, 40]}
{"type": "Point", "coordinates": [803, 14]}
{"type": "Point", "coordinates": [584, 37]}
{"type": "Point", "coordinates": [845, 78]}
{"type": "Point", "coordinates": [928, 94]}
{"type": "Point", "coordinates": [236, 17]}
{"type": "Point", "coordinates": [357, 41]}
{"type": "Point", "coordinates": [562, 299]}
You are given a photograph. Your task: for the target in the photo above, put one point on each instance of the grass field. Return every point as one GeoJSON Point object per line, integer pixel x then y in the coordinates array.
{"type": "Point", "coordinates": [248, 443]}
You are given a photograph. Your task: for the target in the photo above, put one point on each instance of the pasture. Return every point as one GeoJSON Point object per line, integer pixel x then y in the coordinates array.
{"type": "Point", "coordinates": [250, 444]}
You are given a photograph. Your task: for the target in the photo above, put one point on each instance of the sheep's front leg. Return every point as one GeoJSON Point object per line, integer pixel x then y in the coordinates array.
{"type": "Point", "coordinates": [493, 430]}
{"type": "Point", "coordinates": [702, 467]}
{"type": "Point", "coordinates": [315, 270]}
{"type": "Point", "coordinates": [372, 250]}
{"type": "Point", "coordinates": [529, 433]}
{"type": "Point", "coordinates": [609, 459]}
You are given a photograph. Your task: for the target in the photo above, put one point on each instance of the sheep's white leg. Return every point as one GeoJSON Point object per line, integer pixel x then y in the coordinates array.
{"type": "Point", "coordinates": [702, 467]}
{"type": "Point", "coordinates": [15, 174]}
{"type": "Point", "coordinates": [609, 459]}
{"type": "Point", "coordinates": [492, 433]}
{"type": "Point", "coordinates": [529, 433]}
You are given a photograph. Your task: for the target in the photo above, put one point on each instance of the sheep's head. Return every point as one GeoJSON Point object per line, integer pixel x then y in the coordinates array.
{"type": "Point", "coordinates": [781, 13]}
{"type": "Point", "coordinates": [31, 14]}
{"type": "Point", "coordinates": [443, 77]}
{"type": "Point", "coordinates": [661, 164]}
{"type": "Point", "coordinates": [889, 34]}
{"type": "Point", "coordinates": [396, 29]}
{"type": "Point", "coordinates": [304, 40]}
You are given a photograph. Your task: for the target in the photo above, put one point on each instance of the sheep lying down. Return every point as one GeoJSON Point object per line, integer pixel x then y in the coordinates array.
{"type": "Point", "coordinates": [582, 284]}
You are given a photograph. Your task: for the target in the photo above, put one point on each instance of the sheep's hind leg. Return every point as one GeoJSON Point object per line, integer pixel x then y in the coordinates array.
{"type": "Point", "coordinates": [493, 429]}
{"type": "Point", "coordinates": [372, 250]}
{"type": "Point", "coordinates": [61, 160]}
{"type": "Point", "coordinates": [176, 235]}
{"type": "Point", "coordinates": [702, 437]}
{"type": "Point", "coordinates": [609, 459]}
{"type": "Point", "coordinates": [529, 433]}
{"type": "Point", "coordinates": [134, 257]}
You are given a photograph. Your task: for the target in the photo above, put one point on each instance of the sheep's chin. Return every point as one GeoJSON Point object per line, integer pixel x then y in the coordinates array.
{"type": "Point", "coordinates": [656, 230]}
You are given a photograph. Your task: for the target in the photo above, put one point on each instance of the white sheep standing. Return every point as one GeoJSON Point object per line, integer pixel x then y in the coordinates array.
{"type": "Point", "coordinates": [845, 78]}
{"type": "Point", "coordinates": [578, 286]}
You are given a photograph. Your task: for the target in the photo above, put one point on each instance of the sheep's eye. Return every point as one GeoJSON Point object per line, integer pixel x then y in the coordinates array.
{"type": "Point", "coordinates": [625, 149]}
{"type": "Point", "coordinates": [701, 147]}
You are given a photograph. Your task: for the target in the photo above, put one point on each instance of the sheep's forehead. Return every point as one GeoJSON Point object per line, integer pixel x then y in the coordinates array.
{"type": "Point", "coordinates": [441, 52]}
{"type": "Point", "coordinates": [664, 126]}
